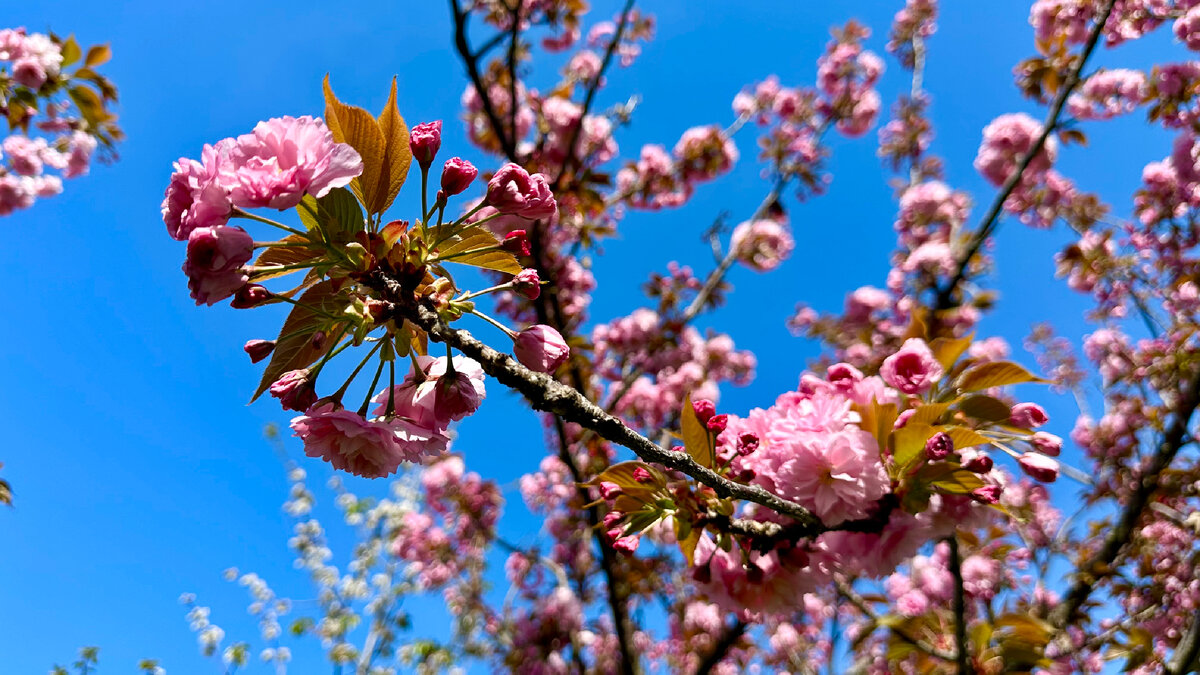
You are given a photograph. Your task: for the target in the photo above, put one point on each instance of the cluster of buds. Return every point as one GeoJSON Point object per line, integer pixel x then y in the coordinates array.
{"type": "Point", "coordinates": [366, 282]}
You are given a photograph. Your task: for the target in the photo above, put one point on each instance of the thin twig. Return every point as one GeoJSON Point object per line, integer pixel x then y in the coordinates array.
{"type": "Point", "coordinates": [861, 604]}
{"type": "Point", "coordinates": [721, 649]}
{"type": "Point", "coordinates": [963, 658]}
{"type": "Point", "coordinates": [945, 295]}
{"type": "Point", "coordinates": [463, 46]}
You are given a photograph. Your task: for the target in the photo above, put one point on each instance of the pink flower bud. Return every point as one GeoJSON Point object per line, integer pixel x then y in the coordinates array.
{"type": "Point", "coordinates": [527, 283]}
{"type": "Point", "coordinates": [988, 494]}
{"type": "Point", "coordinates": [259, 349]}
{"type": "Point", "coordinates": [1028, 416]}
{"type": "Point", "coordinates": [457, 174]}
{"type": "Point", "coordinates": [717, 423]}
{"type": "Point", "coordinates": [939, 446]}
{"type": "Point", "coordinates": [294, 390]}
{"type": "Point", "coordinates": [541, 348]}
{"type": "Point", "coordinates": [747, 443]}
{"type": "Point", "coordinates": [705, 409]}
{"type": "Point", "coordinates": [1039, 467]}
{"type": "Point", "coordinates": [250, 295]}
{"type": "Point", "coordinates": [515, 243]}
{"type": "Point", "coordinates": [913, 369]}
{"type": "Point", "coordinates": [215, 256]}
{"type": "Point", "coordinates": [1046, 443]}
{"type": "Point", "coordinates": [513, 190]}
{"type": "Point", "coordinates": [457, 395]}
{"type": "Point", "coordinates": [611, 519]}
{"type": "Point", "coordinates": [609, 490]}
{"type": "Point", "coordinates": [641, 475]}
{"type": "Point", "coordinates": [626, 545]}
{"type": "Point", "coordinates": [424, 141]}
{"type": "Point", "coordinates": [980, 463]}
{"type": "Point", "coordinates": [843, 375]}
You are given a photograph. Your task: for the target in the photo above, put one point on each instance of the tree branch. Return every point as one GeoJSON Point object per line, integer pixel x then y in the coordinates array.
{"type": "Point", "coordinates": [463, 46]}
{"type": "Point", "coordinates": [1186, 651]}
{"type": "Point", "coordinates": [962, 657]}
{"type": "Point", "coordinates": [860, 603]}
{"type": "Point", "coordinates": [945, 295]}
{"type": "Point", "coordinates": [721, 649]}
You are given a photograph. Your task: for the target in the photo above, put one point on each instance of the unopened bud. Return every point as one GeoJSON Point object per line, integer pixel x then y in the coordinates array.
{"type": "Point", "coordinates": [259, 349]}
{"type": "Point", "coordinates": [516, 243]}
{"type": "Point", "coordinates": [250, 295]}
{"type": "Point", "coordinates": [939, 446]}
{"type": "Point", "coordinates": [704, 409]}
{"type": "Point", "coordinates": [527, 283]}
{"type": "Point", "coordinates": [717, 423]}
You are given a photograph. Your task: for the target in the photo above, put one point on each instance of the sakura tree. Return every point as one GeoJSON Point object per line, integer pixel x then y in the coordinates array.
{"type": "Point", "coordinates": [891, 513]}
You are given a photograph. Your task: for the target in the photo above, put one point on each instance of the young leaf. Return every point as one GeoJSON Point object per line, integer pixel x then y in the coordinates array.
{"type": "Point", "coordinates": [963, 437]}
{"type": "Point", "coordinates": [293, 348]}
{"type": "Point", "coordinates": [985, 408]}
{"type": "Point", "coordinates": [947, 350]}
{"type": "Point", "coordinates": [621, 474]}
{"type": "Point", "coordinates": [995, 374]}
{"type": "Point", "coordinates": [458, 249]}
{"type": "Point", "coordinates": [910, 444]}
{"type": "Point", "coordinates": [688, 537]}
{"type": "Point", "coordinates": [695, 435]}
{"type": "Point", "coordinates": [929, 413]}
{"type": "Point", "coordinates": [299, 250]}
{"type": "Point", "coordinates": [97, 55]}
{"type": "Point", "coordinates": [397, 156]}
{"type": "Point", "coordinates": [357, 127]}
{"type": "Point", "coordinates": [70, 52]}
{"type": "Point", "coordinates": [337, 214]}
{"type": "Point", "coordinates": [958, 482]}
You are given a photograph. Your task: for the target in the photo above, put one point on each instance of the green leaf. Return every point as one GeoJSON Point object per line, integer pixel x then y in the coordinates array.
{"type": "Point", "coordinates": [337, 214]}
{"type": "Point", "coordinates": [89, 104]}
{"type": "Point", "coordinates": [300, 250]}
{"type": "Point", "coordinates": [985, 408]}
{"type": "Point", "coordinates": [994, 374]}
{"type": "Point", "coordinates": [929, 413]}
{"type": "Point", "coordinates": [878, 420]}
{"type": "Point", "coordinates": [696, 437]}
{"type": "Point", "coordinates": [358, 128]}
{"type": "Point", "coordinates": [459, 249]}
{"type": "Point", "coordinates": [957, 482]}
{"type": "Point", "coordinates": [687, 537]}
{"type": "Point", "coordinates": [293, 347]}
{"type": "Point", "coordinates": [397, 155]}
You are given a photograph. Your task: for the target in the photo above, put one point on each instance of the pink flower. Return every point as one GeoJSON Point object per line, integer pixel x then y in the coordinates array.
{"type": "Point", "coordinates": [294, 389]}
{"type": "Point", "coordinates": [215, 256]}
{"type": "Point", "coordinates": [1028, 416]}
{"type": "Point", "coordinates": [30, 72]}
{"type": "Point", "coordinates": [939, 446]}
{"type": "Point", "coordinates": [541, 348]}
{"type": "Point", "coordinates": [626, 545]}
{"type": "Point", "coordinates": [513, 190]}
{"type": "Point", "coordinates": [913, 369]}
{"type": "Point", "coordinates": [286, 158]}
{"type": "Point", "coordinates": [1005, 140]}
{"type": "Point", "coordinates": [368, 448]}
{"type": "Point", "coordinates": [1039, 467]}
{"type": "Point", "coordinates": [424, 141]}
{"type": "Point", "coordinates": [457, 175]}
{"type": "Point", "coordinates": [762, 244]}
{"type": "Point", "coordinates": [527, 283]}
{"type": "Point", "coordinates": [195, 197]}
{"type": "Point", "coordinates": [838, 475]}
{"type": "Point", "coordinates": [428, 402]}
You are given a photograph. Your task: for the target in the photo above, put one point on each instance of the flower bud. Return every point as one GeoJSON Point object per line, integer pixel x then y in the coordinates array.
{"type": "Point", "coordinates": [988, 494]}
{"type": "Point", "coordinates": [705, 409]}
{"type": "Point", "coordinates": [747, 443]}
{"type": "Point", "coordinates": [1028, 416]}
{"type": "Point", "coordinates": [424, 141]}
{"type": "Point", "coordinates": [717, 423]}
{"type": "Point", "coordinates": [250, 295]}
{"type": "Point", "coordinates": [515, 243]}
{"type": "Point", "coordinates": [626, 545]}
{"type": "Point", "coordinates": [939, 446]}
{"type": "Point", "coordinates": [980, 463]}
{"type": "Point", "coordinates": [457, 174]}
{"type": "Point", "coordinates": [294, 390]}
{"type": "Point", "coordinates": [527, 283]}
{"type": "Point", "coordinates": [1046, 443]}
{"type": "Point", "coordinates": [259, 349]}
{"type": "Point", "coordinates": [1039, 467]}
{"type": "Point", "coordinates": [641, 475]}
{"type": "Point", "coordinates": [541, 348]}
{"type": "Point", "coordinates": [913, 369]}
{"type": "Point", "coordinates": [513, 190]}
{"type": "Point", "coordinates": [609, 490]}
{"type": "Point", "coordinates": [903, 418]}
{"type": "Point", "coordinates": [611, 519]}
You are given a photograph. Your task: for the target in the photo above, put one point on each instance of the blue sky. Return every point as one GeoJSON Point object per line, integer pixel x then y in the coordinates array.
{"type": "Point", "coordinates": [138, 471]}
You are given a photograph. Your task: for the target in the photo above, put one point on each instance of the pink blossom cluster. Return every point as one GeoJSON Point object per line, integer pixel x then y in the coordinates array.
{"type": "Point", "coordinates": [1072, 19]}
{"type": "Point", "coordinates": [915, 21]}
{"type": "Point", "coordinates": [1108, 93]}
{"type": "Point", "coordinates": [691, 363]}
{"type": "Point", "coordinates": [275, 166]}
{"type": "Point", "coordinates": [763, 244]}
{"type": "Point", "coordinates": [29, 58]}
{"type": "Point", "coordinates": [846, 77]}
{"type": "Point", "coordinates": [794, 124]}
{"type": "Point", "coordinates": [410, 421]}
